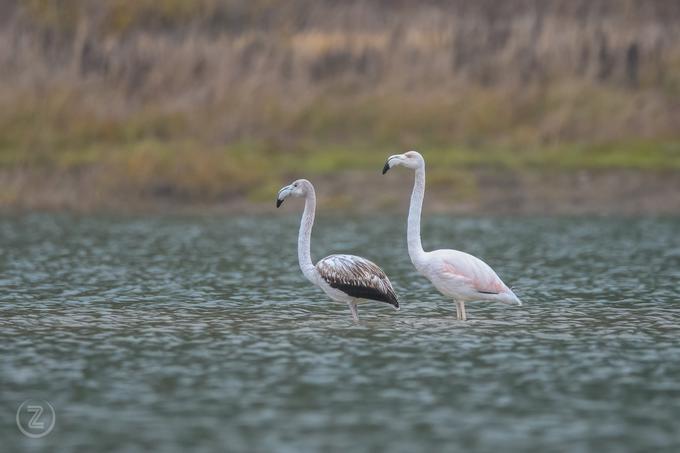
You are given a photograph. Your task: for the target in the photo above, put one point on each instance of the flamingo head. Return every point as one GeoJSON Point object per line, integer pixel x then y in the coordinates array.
{"type": "Point", "coordinates": [298, 188]}
{"type": "Point", "coordinates": [411, 159]}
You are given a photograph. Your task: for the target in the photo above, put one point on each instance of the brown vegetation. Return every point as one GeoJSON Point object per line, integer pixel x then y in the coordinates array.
{"type": "Point", "coordinates": [220, 100]}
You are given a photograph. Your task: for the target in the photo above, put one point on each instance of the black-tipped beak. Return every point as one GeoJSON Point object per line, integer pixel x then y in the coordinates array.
{"type": "Point", "coordinates": [279, 203]}
{"type": "Point", "coordinates": [386, 167]}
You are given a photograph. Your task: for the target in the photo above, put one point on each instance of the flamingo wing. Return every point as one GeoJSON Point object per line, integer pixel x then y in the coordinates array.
{"type": "Point", "coordinates": [357, 277]}
{"type": "Point", "coordinates": [466, 270]}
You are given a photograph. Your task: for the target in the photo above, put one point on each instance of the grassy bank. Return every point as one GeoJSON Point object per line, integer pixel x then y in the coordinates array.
{"type": "Point", "coordinates": [155, 155]}
{"type": "Point", "coordinates": [110, 104]}
{"type": "Point", "coordinates": [153, 173]}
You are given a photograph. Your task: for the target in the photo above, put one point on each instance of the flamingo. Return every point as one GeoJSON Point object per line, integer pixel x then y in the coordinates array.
{"type": "Point", "coordinates": [455, 274]}
{"type": "Point", "coordinates": [344, 278]}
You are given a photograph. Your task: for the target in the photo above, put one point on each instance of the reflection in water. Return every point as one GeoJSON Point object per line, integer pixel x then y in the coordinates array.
{"type": "Point", "coordinates": [179, 333]}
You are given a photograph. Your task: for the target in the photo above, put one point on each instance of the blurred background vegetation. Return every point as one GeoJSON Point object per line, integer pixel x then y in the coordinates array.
{"type": "Point", "coordinates": [519, 105]}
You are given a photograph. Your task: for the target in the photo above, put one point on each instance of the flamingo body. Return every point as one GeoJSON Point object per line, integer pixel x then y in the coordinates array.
{"type": "Point", "coordinates": [346, 277]}
{"type": "Point", "coordinates": [464, 277]}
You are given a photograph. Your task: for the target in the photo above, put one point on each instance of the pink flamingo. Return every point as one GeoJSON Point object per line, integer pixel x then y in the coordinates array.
{"type": "Point", "coordinates": [455, 274]}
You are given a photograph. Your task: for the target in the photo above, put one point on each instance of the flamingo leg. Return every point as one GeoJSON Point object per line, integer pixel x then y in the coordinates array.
{"type": "Point", "coordinates": [463, 316]}
{"type": "Point", "coordinates": [353, 309]}
{"type": "Point", "coordinates": [458, 310]}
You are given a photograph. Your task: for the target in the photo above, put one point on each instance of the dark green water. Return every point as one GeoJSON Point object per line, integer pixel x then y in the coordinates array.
{"type": "Point", "coordinates": [200, 334]}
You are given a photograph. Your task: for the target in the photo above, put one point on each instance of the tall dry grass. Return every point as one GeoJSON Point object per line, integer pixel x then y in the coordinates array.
{"type": "Point", "coordinates": [168, 96]}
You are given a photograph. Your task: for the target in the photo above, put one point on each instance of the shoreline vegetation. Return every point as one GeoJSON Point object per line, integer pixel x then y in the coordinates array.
{"type": "Point", "coordinates": [558, 106]}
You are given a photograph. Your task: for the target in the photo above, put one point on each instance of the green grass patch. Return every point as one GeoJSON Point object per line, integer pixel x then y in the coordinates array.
{"type": "Point", "coordinates": [154, 152]}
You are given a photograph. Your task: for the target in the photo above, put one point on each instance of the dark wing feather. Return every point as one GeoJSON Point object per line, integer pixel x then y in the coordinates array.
{"type": "Point", "coordinates": [357, 277]}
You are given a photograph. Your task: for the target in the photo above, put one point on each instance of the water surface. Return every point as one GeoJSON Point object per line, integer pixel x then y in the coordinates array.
{"type": "Point", "coordinates": [200, 334]}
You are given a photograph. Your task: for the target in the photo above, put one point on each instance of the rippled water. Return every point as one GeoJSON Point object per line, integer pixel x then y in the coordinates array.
{"type": "Point", "coordinates": [200, 334]}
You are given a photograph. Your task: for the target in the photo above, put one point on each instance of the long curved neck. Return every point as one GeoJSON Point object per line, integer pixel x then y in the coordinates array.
{"type": "Point", "coordinates": [305, 237]}
{"type": "Point", "coordinates": [415, 246]}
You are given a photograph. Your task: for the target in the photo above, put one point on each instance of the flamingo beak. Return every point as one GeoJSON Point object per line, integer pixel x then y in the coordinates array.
{"type": "Point", "coordinates": [386, 167]}
{"type": "Point", "coordinates": [282, 195]}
